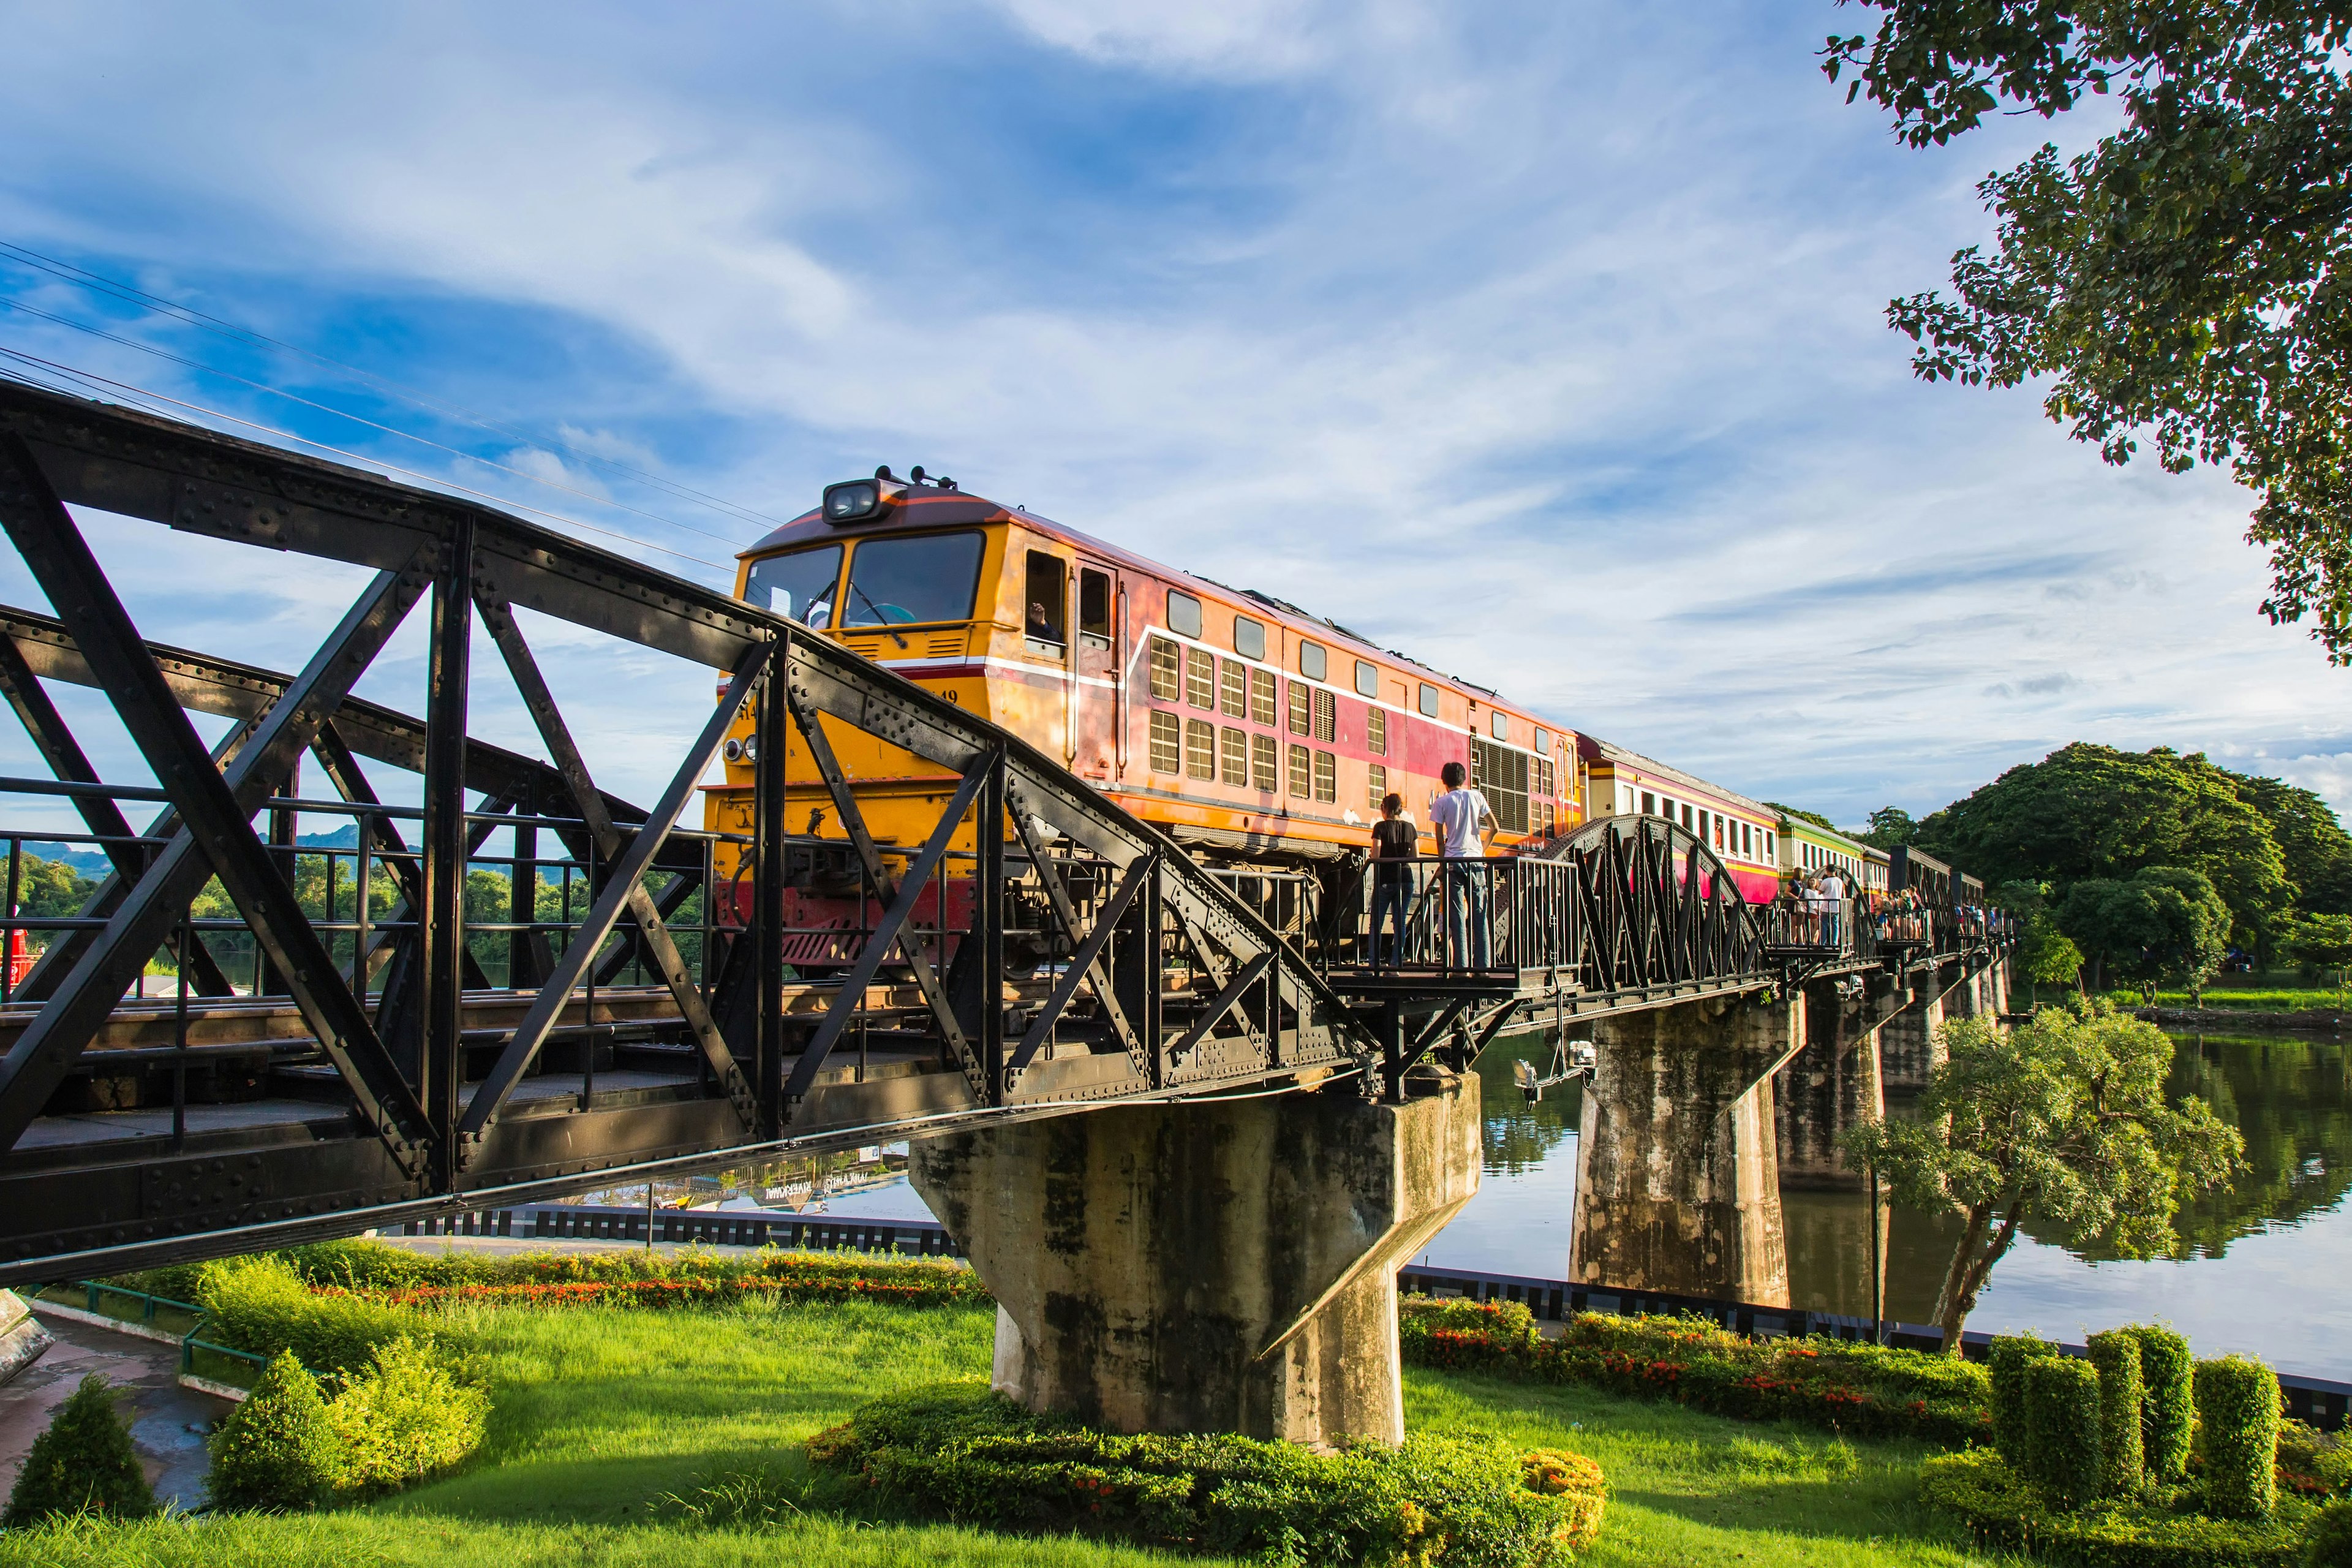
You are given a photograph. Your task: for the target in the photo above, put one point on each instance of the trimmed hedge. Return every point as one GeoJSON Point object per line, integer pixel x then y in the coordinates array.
{"type": "Point", "coordinates": [2329, 1545]}
{"type": "Point", "coordinates": [1858, 1389]}
{"type": "Point", "coordinates": [2006, 1360]}
{"type": "Point", "coordinates": [2122, 1393]}
{"type": "Point", "coordinates": [2002, 1510]}
{"type": "Point", "coordinates": [960, 1453]}
{"type": "Point", "coordinates": [373, 1271]}
{"type": "Point", "coordinates": [278, 1450]}
{"type": "Point", "coordinates": [2167, 1415]}
{"type": "Point", "coordinates": [2312, 1463]}
{"type": "Point", "coordinates": [2238, 1429]}
{"type": "Point", "coordinates": [2061, 1449]}
{"type": "Point", "coordinates": [81, 1463]}
{"type": "Point", "coordinates": [261, 1305]}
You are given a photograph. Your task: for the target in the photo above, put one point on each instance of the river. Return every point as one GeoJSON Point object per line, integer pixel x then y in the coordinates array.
{"type": "Point", "coordinates": [2262, 1268]}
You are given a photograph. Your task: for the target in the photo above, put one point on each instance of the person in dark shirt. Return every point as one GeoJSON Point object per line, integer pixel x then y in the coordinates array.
{"type": "Point", "coordinates": [1395, 842]}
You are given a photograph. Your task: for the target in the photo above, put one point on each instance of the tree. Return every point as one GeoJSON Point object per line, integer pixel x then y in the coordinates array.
{"type": "Point", "coordinates": [1890, 828]}
{"type": "Point", "coordinates": [51, 886]}
{"type": "Point", "coordinates": [2181, 278]}
{"type": "Point", "coordinates": [2316, 849]}
{"type": "Point", "coordinates": [2045, 955]}
{"type": "Point", "coordinates": [2061, 1120]}
{"type": "Point", "coordinates": [2160, 924]}
{"type": "Point", "coordinates": [2088, 811]}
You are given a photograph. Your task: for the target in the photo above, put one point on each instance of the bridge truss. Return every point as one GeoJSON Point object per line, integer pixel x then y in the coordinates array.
{"type": "Point", "coordinates": [369, 1068]}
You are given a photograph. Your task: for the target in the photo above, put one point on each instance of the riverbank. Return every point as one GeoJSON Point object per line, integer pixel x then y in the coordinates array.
{"type": "Point", "coordinates": [600, 1413]}
{"type": "Point", "coordinates": [2232, 1020]}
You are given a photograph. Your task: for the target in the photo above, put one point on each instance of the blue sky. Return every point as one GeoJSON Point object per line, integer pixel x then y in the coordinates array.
{"type": "Point", "coordinates": [1543, 342]}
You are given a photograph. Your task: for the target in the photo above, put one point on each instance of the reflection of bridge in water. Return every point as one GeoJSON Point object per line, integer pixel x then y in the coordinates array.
{"type": "Point", "coordinates": [375, 1074]}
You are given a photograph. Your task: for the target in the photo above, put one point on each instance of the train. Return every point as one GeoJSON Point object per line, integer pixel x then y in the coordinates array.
{"type": "Point", "coordinates": [1253, 731]}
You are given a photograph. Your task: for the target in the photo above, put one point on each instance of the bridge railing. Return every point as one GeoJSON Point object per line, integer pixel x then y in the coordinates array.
{"type": "Point", "coordinates": [1492, 915]}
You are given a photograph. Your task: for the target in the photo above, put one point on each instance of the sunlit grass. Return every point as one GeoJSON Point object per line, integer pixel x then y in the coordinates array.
{"type": "Point", "coordinates": [602, 1413]}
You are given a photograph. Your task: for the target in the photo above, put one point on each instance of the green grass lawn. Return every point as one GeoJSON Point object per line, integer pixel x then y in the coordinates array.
{"type": "Point", "coordinates": [2273, 991]}
{"type": "Point", "coordinates": [601, 1412]}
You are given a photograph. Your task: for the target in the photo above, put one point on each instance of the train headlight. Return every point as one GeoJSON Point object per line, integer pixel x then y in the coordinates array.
{"type": "Point", "coordinates": [746, 750]}
{"type": "Point", "coordinates": [854, 501]}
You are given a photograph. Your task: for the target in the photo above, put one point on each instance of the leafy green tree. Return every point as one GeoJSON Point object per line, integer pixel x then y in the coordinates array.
{"type": "Point", "coordinates": [51, 887]}
{"type": "Point", "coordinates": [2060, 1121]}
{"type": "Point", "coordinates": [1890, 827]}
{"type": "Point", "coordinates": [2181, 278]}
{"type": "Point", "coordinates": [2046, 955]}
{"type": "Point", "coordinates": [2160, 924]}
{"type": "Point", "coordinates": [2088, 811]}
{"type": "Point", "coordinates": [2317, 850]}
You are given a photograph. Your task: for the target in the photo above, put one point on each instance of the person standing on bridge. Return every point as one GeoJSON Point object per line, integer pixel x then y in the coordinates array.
{"type": "Point", "coordinates": [1465, 827]}
{"type": "Point", "coordinates": [1395, 843]}
{"type": "Point", "coordinates": [1833, 906]}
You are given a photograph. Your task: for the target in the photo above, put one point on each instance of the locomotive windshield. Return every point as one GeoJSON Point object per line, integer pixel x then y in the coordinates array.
{"type": "Point", "coordinates": [798, 586]}
{"type": "Point", "coordinates": [894, 582]}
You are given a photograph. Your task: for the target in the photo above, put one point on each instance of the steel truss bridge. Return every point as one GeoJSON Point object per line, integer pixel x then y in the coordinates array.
{"type": "Point", "coordinates": [361, 1066]}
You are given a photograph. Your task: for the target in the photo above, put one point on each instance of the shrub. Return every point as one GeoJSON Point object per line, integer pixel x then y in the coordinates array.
{"type": "Point", "coordinates": [961, 1453]}
{"type": "Point", "coordinates": [2115, 1355]}
{"type": "Point", "coordinates": [2165, 1416]}
{"type": "Point", "coordinates": [2330, 1544]}
{"type": "Point", "coordinates": [2238, 1415]}
{"type": "Point", "coordinates": [2005, 1365]}
{"type": "Point", "coordinates": [2061, 1447]}
{"type": "Point", "coordinates": [278, 1450]}
{"type": "Point", "coordinates": [2312, 1463]}
{"type": "Point", "coordinates": [83, 1463]}
{"type": "Point", "coordinates": [1505, 1323]}
{"type": "Point", "coordinates": [2001, 1510]}
{"type": "Point", "coordinates": [260, 1304]}
{"type": "Point", "coordinates": [403, 1418]}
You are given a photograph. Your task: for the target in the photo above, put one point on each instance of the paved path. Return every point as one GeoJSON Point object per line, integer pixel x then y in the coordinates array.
{"type": "Point", "coordinates": [167, 1422]}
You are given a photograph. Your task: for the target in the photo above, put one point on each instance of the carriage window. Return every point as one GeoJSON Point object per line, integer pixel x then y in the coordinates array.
{"type": "Point", "coordinates": [1686, 814]}
{"type": "Point", "coordinates": [1048, 617]}
{"type": "Point", "coordinates": [1649, 804]}
{"type": "Point", "coordinates": [1183, 614]}
{"type": "Point", "coordinates": [798, 586]}
{"type": "Point", "coordinates": [1429, 700]}
{"type": "Point", "coordinates": [1094, 607]}
{"type": "Point", "coordinates": [1311, 662]}
{"type": "Point", "coordinates": [1249, 638]}
{"type": "Point", "coordinates": [896, 582]}
{"type": "Point", "coordinates": [1368, 680]}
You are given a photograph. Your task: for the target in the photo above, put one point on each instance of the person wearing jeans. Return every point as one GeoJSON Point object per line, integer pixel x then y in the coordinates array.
{"type": "Point", "coordinates": [1395, 843]}
{"type": "Point", "coordinates": [1465, 827]}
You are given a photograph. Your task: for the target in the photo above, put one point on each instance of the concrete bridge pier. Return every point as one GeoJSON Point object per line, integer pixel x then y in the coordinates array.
{"type": "Point", "coordinates": [1678, 1181]}
{"type": "Point", "coordinates": [1908, 1047]}
{"type": "Point", "coordinates": [1211, 1266]}
{"type": "Point", "coordinates": [1832, 1084]}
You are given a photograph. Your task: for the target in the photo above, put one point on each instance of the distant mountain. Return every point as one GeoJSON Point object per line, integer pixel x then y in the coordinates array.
{"type": "Point", "coordinates": [87, 861]}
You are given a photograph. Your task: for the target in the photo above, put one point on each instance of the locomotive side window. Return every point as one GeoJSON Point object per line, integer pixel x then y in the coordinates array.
{"type": "Point", "coordinates": [1165, 662]}
{"type": "Point", "coordinates": [1379, 779]}
{"type": "Point", "coordinates": [1312, 663]}
{"type": "Point", "coordinates": [1368, 680]}
{"type": "Point", "coordinates": [1327, 776]}
{"type": "Point", "coordinates": [1183, 614]}
{"type": "Point", "coordinates": [1428, 699]}
{"type": "Point", "coordinates": [1301, 771]}
{"type": "Point", "coordinates": [1327, 715]}
{"type": "Point", "coordinates": [902, 582]}
{"type": "Point", "coordinates": [1200, 678]}
{"type": "Point", "coordinates": [1262, 697]}
{"type": "Point", "coordinates": [1376, 732]}
{"type": "Point", "coordinates": [1233, 689]}
{"type": "Point", "coordinates": [1047, 618]}
{"type": "Point", "coordinates": [1249, 638]}
{"type": "Point", "coordinates": [1199, 749]}
{"type": "Point", "coordinates": [1167, 742]}
{"type": "Point", "coordinates": [1094, 607]}
{"type": "Point", "coordinates": [1265, 764]}
{"type": "Point", "coordinates": [798, 586]}
{"type": "Point", "coordinates": [1300, 704]}
{"type": "Point", "coordinates": [1233, 757]}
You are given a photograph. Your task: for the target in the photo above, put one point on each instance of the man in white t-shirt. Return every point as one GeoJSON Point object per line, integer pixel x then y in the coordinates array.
{"type": "Point", "coordinates": [1833, 903]}
{"type": "Point", "coordinates": [1464, 823]}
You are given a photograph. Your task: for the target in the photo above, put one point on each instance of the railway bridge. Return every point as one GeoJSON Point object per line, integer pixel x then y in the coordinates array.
{"type": "Point", "coordinates": [1184, 1131]}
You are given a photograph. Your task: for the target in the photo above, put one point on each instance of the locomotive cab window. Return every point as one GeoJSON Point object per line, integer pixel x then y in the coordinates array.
{"type": "Point", "coordinates": [798, 586]}
{"type": "Point", "coordinates": [1046, 619]}
{"type": "Point", "coordinates": [1094, 608]}
{"type": "Point", "coordinates": [1428, 699]}
{"type": "Point", "coordinates": [1249, 638]}
{"type": "Point", "coordinates": [903, 581]}
{"type": "Point", "coordinates": [1183, 614]}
